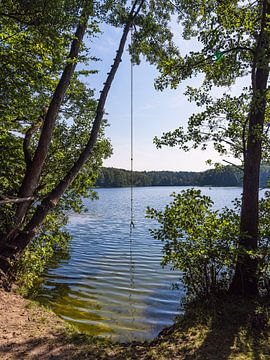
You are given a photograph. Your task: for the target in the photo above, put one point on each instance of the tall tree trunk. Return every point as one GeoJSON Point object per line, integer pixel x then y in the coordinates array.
{"type": "Point", "coordinates": [12, 248]}
{"type": "Point", "coordinates": [34, 168]}
{"type": "Point", "coordinates": [245, 281]}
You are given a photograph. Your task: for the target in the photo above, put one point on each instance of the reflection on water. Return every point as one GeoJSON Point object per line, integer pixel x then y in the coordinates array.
{"type": "Point", "coordinates": [112, 284]}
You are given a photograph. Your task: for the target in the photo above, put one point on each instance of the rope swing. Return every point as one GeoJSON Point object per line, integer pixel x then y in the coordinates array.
{"type": "Point", "coordinates": [132, 224]}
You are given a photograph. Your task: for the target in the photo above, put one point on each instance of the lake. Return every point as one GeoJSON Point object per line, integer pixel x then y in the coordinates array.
{"type": "Point", "coordinates": [111, 283]}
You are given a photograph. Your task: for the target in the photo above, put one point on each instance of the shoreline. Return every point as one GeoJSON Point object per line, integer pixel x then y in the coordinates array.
{"type": "Point", "coordinates": [226, 329]}
{"type": "Point", "coordinates": [30, 331]}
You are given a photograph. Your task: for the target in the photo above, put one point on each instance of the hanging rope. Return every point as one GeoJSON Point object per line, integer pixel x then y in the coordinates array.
{"type": "Point", "coordinates": [131, 138]}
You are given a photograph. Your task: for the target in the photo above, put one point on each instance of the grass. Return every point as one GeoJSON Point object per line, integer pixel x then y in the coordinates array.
{"type": "Point", "coordinates": [230, 328]}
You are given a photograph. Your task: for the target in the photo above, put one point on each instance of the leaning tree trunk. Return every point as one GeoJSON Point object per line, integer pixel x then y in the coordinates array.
{"type": "Point", "coordinates": [245, 281]}
{"type": "Point", "coordinates": [13, 247]}
{"type": "Point", "coordinates": [35, 166]}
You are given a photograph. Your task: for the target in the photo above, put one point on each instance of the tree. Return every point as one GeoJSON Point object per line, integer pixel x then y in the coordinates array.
{"type": "Point", "coordinates": [234, 36]}
{"type": "Point", "coordinates": [33, 203]}
{"type": "Point", "coordinates": [198, 241]}
{"type": "Point", "coordinates": [35, 44]}
{"type": "Point", "coordinates": [55, 121]}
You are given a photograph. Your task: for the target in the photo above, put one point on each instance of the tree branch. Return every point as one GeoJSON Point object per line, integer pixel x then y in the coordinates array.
{"type": "Point", "coordinates": [8, 200]}
{"type": "Point", "coordinates": [258, 46]}
{"type": "Point", "coordinates": [210, 57]}
{"type": "Point", "coordinates": [237, 166]}
{"type": "Point", "coordinates": [26, 143]}
{"type": "Point", "coordinates": [17, 17]}
{"type": "Point", "coordinates": [33, 172]}
{"type": "Point", "coordinates": [53, 197]}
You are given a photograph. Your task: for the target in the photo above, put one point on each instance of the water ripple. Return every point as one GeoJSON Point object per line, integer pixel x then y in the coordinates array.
{"type": "Point", "coordinates": [112, 284]}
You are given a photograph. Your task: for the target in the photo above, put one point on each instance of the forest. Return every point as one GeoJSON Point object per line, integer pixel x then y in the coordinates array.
{"type": "Point", "coordinates": [226, 176]}
{"type": "Point", "coordinates": [100, 258]}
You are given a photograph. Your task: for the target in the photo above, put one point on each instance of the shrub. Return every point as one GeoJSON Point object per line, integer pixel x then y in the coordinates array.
{"type": "Point", "coordinates": [198, 241]}
{"type": "Point", "coordinates": [38, 255]}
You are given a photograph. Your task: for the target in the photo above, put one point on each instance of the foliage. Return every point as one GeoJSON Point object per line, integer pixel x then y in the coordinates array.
{"type": "Point", "coordinates": [202, 242]}
{"type": "Point", "coordinates": [198, 241]}
{"type": "Point", "coordinates": [227, 34]}
{"type": "Point", "coordinates": [233, 45]}
{"type": "Point", "coordinates": [40, 251]}
{"type": "Point", "coordinates": [112, 177]}
{"type": "Point", "coordinates": [34, 44]}
{"type": "Point", "coordinates": [231, 29]}
{"type": "Point", "coordinates": [221, 176]}
{"type": "Point", "coordinates": [264, 245]}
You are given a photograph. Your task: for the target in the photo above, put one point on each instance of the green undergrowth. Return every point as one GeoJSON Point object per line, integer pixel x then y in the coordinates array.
{"type": "Point", "coordinates": [217, 329]}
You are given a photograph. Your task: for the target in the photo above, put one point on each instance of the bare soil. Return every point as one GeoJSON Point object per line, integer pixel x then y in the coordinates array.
{"type": "Point", "coordinates": [230, 330]}
{"type": "Point", "coordinates": [28, 331]}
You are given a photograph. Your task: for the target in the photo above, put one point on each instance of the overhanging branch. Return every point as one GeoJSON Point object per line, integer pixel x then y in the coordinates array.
{"type": "Point", "coordinates": [9, 200]}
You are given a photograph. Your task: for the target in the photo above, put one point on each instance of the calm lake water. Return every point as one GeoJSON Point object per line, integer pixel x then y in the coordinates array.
{"type": "Point", "coordinates": [111, 283]}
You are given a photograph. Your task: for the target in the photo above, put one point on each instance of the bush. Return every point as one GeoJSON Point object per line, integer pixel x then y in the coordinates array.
{"type": "Point", "coordinates": [264, 248]}
{"type": "Point", "coordinates": [198, 241]}
{"type": "Point", "coordinates": [203, 243]}
{"type": "Point", "coordinates": [37, 256]}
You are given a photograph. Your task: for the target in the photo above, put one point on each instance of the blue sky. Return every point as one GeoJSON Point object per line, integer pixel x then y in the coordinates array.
{"type": "Point", "coordinates": [155, 112]}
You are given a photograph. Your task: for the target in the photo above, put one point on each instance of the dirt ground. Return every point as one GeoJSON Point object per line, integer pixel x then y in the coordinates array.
{"type": "Point", "coordinates": [25, 329]}
{"type": "Point", "coordinates": [28, 331]}
{"type": "Point", "coordinates": [237, 331]}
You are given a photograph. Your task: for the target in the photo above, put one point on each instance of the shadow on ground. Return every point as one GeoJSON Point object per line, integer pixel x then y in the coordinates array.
{"type": "Point", "coordinates": [218, 330]}
{"type": "Point", "coordinates": [73, 346]}
{"type": "Point", "coordinates": [230, 329]}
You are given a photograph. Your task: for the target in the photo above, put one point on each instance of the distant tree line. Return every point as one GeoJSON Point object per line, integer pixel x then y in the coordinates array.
{"type": "Point", "coordinates": [225, 176]}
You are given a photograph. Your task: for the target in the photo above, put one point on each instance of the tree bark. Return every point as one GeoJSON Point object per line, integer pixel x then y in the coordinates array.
{"type": "Point", "coordinates": [34, 168]}
{"type": "Point", "coordinates": [13, 247]}
{"type": "Point", "coordinates": [245, 281]}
